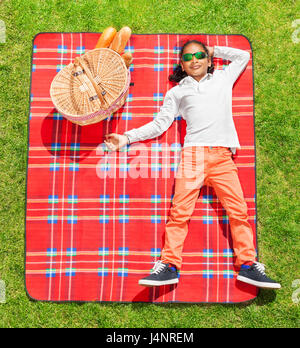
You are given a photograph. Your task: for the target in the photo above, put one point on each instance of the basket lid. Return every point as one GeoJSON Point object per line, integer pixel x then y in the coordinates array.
{"type": "Point", "coordinates": [72, 91]}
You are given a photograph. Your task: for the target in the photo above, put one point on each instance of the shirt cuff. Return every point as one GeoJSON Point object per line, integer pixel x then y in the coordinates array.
{"type": "Point", "coordinates": [217, 51]}
{"type": "Point", "coordinates": [130, 136]}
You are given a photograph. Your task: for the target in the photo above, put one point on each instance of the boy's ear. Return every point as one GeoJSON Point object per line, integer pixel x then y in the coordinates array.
{"type": "Point", "coordinates": [181, 66]}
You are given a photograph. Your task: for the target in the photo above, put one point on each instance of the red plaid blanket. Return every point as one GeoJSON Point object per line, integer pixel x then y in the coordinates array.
{"type": "Point", "coordinates": [94, 218]}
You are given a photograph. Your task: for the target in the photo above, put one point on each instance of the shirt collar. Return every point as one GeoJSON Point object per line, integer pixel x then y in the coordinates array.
{"type": "Point", "coordinates": [190, 79]}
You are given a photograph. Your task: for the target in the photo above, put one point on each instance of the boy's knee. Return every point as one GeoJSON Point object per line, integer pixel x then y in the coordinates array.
{"type": "Point", "coordinates": [237, 213]}
{"type": "Point", "coordinates": [179, 215]}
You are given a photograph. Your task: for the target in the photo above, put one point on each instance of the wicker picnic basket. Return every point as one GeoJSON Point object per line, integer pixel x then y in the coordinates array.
{"type": "Point", "coordinates": [92, 88]}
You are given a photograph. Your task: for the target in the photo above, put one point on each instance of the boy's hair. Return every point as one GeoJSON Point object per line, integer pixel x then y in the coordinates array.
{"type": "Point", "coordinates": [178, 73]}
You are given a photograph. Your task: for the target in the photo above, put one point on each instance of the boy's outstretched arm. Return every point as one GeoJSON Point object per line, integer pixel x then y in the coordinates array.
{"type": "Point", "coordinates": [150, 130]}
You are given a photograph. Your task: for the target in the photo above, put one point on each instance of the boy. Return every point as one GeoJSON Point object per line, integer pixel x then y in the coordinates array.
{"type": "Point", "coordinates": [205, 101]}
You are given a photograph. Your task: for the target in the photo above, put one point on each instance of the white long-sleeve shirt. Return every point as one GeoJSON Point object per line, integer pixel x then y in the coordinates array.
{"type": "Point", "coordinates": [206, 106]}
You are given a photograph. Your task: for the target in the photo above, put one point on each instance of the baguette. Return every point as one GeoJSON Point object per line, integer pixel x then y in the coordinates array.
{"type": "Point", "coordinates": [106, 38]}
{"type": "Point", "coordinates": [127, 56]}
{"type": "Point", "coordinates": [120, 40]}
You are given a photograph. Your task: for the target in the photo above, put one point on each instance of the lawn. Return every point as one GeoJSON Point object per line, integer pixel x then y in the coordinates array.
{"type": "Point", "coordinates": [268, 25]}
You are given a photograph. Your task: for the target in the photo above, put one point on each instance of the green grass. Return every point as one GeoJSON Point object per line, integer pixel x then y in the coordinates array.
{"type": "Point", "coordinates": [268, 25]}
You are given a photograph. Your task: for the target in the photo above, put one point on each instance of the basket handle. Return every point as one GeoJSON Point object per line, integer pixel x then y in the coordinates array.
{"type": "Point", "coordinates": [79, 61]}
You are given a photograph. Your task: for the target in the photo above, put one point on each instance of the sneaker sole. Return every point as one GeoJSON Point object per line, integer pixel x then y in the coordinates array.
{"type": "Point", "coordinates": [259, 284]}
{"type": "Point", "coordinates": [157, 283]}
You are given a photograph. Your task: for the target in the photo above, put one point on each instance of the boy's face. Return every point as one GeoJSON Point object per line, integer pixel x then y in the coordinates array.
{"type": "Point", "coordinates": [196, 68]}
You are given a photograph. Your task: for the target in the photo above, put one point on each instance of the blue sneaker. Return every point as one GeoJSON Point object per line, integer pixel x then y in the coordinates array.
{"type": "Point", "coordinates": [161, 274]}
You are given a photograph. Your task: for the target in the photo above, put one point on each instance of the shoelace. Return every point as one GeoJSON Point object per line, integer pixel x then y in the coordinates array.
{"type": "Point", "coordinates": [158, 267]}
{"type": "Point", "coordinates": [260, 267]}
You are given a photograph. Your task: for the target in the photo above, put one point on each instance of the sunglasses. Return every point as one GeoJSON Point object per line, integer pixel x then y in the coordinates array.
{"type": "Point", "coordinates": [189, 56]}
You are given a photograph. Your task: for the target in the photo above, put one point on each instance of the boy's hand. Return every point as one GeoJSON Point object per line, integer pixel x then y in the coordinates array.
{"type": "Point", "coordinates": [115, 141]}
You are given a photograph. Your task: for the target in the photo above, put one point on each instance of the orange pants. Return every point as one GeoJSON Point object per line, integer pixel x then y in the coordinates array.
{"type": "Point", "coordinates": [212, 166]}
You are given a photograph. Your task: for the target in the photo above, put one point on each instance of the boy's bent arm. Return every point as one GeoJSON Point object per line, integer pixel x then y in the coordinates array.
{"type": "Point", "coordinates": [239, 60]}
{"type": "Point", "coordinates": [160, 124]}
